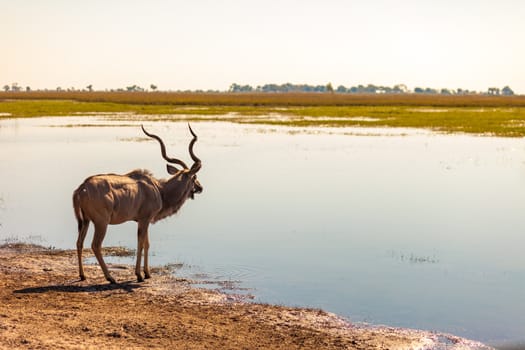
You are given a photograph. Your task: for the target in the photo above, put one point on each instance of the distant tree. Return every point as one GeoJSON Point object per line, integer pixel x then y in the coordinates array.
{"type": "Point", "coordinates": [153, 87]}
{"type": "Point", "coordinates": [319, 88]}
{"type": "Point", "coordinates": [15, 87]}
{"type": "Point", "coordinates": [507, 91]}
{"type": "Point", "coordinates": [234, 87]}
{"type": "Point", "coordinates": [419, 90]}
{"type": "Point", "coordinates": [371, 89]}
{"type": "Point", "coordinates": [28, 88]}
{"type": "Point", "coordinates": [90, 87]}
{"type": "Point", "coordinates": [400, 89]}
{"type": "Point", "coordinates": [341, 89]}
{"type": "Point", "coordinates": [133, 88]}
{"type": "Point", "coordinates": [329, 88]}
{"type": "Point", "coordinates": [445, 92]}
{"type": "Point", "coordinates": [269, 88]}
{"type": "Point", "coordinates": [6, 88]}
{"type": "Point", "coordinates": [240, 88]}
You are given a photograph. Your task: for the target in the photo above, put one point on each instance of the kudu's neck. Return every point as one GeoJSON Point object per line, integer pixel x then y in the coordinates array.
{"type": "Point", "coordinates": [174, 192]}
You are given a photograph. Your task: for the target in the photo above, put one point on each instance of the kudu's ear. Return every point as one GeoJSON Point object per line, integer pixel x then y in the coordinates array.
{"type": "Point", "coordinates": [171, 169]}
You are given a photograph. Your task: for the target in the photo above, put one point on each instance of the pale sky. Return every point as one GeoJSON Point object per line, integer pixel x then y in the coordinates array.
{"type": "Point", "coordinates": [206, 44]}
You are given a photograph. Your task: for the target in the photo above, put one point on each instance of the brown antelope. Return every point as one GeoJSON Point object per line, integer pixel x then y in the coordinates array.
{"type": "Point", "coordinates": [138, 196]}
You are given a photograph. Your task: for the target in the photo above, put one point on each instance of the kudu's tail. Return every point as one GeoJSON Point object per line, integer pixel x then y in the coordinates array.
{"type": "Point", "coordinates": [76, 207]}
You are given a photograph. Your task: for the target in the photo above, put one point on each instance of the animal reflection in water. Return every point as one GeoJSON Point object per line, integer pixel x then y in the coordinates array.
{"type": "Point", "coordinates": [113, 199]}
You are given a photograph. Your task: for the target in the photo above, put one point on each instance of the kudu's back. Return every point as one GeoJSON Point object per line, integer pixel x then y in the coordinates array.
{"type": "Point", "coordinates": [114, 199]}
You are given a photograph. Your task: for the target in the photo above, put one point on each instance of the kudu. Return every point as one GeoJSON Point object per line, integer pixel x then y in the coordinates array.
{"type": "Point", "coordinates": [138, 196]}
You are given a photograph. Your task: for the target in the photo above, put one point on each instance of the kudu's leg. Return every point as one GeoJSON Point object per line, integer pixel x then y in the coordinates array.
{"type": "Point", "coordinates": [96, 245]}
{"type": "Point", "coordinates": [142, 233]}
{"type": "Point", "coordinates": [146, 254]}
{"type": "Point", "coordinates": [82, 231]}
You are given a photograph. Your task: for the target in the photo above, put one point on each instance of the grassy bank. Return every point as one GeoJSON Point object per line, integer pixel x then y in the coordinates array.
{"type": "Point", "coordinates": [491, 115]}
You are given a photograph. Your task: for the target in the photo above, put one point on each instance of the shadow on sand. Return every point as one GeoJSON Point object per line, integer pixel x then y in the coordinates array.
{"type": "Point", "coordinates": [127, 286]}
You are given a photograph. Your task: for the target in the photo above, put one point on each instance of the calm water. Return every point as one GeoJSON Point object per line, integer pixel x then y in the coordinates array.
{"type": "Point", "coordinates": [405, 228]}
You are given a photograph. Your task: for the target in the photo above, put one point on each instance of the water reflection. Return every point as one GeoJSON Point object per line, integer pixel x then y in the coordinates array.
{"type": "Point", "coordinates": [401, 227]}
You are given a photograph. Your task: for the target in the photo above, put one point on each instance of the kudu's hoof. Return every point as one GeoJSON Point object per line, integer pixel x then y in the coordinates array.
{"type": "Point", "coordinates": [82, 278]}
{"type": "Point", "coordinates": [111, 280]}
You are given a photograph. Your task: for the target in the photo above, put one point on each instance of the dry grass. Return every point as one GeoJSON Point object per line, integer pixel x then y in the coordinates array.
{"type": "Point", "coordinates": [273, 99]}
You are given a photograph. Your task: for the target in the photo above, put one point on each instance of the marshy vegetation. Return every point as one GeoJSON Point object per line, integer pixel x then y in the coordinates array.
{"type": "Point", "coordinates": [476, 114]}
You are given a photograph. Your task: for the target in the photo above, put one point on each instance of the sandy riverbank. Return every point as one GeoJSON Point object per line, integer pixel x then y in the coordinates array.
{"type": "Point", "coordinates": [43, 305]}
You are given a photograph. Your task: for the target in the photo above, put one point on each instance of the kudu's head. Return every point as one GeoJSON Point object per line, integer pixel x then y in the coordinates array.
{"type": "Point", "coordinates": [185, 179]}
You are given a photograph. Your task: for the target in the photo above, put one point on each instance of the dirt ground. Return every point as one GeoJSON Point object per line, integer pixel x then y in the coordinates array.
{"type": "Point", "coordinates": [44, 305]}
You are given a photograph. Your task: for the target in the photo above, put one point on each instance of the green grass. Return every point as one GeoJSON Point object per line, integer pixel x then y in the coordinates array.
{"type": "Point", "coordinates": [39, 108]}
{"type": "Point", "coordinates": [500, 121]}
{"type": "Point", "coordinates": [495, 118]}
